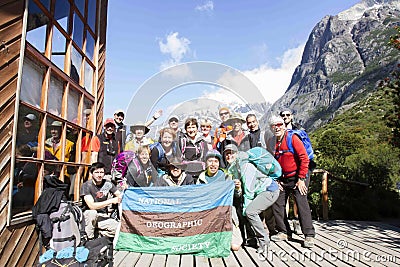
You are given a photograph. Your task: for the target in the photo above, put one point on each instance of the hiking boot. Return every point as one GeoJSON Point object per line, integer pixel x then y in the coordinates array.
{"type": "Point", "coordinates": [297, 227]}
{"type": "Point", "coordinates": [279, 237]}
{"type": "Point", "coordinates": [309, 242]}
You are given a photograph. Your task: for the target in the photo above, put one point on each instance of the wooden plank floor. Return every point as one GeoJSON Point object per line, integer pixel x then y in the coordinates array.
{"type": "Point", "coordinates": [338, 243]}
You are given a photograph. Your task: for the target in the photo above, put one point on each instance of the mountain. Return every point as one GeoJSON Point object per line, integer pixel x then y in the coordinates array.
{"type": "Point", "coordinates": [343, 59]}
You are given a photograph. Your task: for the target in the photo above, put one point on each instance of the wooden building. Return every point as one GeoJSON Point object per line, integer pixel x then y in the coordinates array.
{"type": "Point", "coordinates": [52, 68]}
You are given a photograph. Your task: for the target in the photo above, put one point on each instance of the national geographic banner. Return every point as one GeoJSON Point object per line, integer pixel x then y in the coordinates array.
{"type": "Point", "coordinates": [193, 219]}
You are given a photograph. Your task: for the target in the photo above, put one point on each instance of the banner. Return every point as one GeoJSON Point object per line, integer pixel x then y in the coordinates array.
{"type": "Point", "coordinates": [194, 219]}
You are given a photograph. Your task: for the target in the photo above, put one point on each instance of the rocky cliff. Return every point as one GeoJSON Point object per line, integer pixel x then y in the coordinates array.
{"type": "Point", "coordinates": [343, 59]}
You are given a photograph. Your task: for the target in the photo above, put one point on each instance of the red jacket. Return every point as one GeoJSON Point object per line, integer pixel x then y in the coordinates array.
{"type": "Point", "coordinates": [292, 164]}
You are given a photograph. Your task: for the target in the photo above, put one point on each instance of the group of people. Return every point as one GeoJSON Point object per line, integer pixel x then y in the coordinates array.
{"type": "Point", "coordinates": [194, 156]}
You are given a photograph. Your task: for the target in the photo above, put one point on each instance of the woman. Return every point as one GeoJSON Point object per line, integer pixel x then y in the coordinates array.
{"type": "Point", "coordinates": [206, 125]}
{"type": "Point", "coordinates": [176, 175]}
{"type": "Point", "coordinates": [164, 150]}
{"type": "Point", "coordinates": [141, 173]}
{"type": "Point", "coordinates": [193, 147]}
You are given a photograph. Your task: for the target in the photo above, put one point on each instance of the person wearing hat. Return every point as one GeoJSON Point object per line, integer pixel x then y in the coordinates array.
{"type": "Point", "coordinates": [176, 175]}
{"type": "Point", "coordinates": [214, 173]}
{"type": "Point", "coordinates": [141, 172]}
{"type": "Point", "coordinates": [139, 130]}
{"type": "Point", "coordinates": [237, 135]}
{"type": "Point", "coordinates": [259, 191]}
{"type": "Point", "coordinates": [105, 146]}
{"type": "Point", "coordinates": [29, 133]}
{"type": "Point", "coordinates": [120, 127]}
{"type": "Point", "coordinates": [53, 143]}
{"type": "Point", "coordinates": [220, 132]}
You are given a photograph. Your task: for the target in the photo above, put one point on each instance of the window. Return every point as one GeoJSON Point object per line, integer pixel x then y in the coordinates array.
{"type": "Point", "coordinates": [55, 116]}
{"type": "Point", "coordinates": [32, 81]}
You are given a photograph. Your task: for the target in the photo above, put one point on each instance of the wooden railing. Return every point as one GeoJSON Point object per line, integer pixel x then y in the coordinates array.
{"type": "Point", "coordinates": [324, 189]}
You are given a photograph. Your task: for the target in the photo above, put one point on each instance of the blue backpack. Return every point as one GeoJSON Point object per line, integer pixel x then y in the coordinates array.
{"type": "Point", "coordinates": [305, 139]}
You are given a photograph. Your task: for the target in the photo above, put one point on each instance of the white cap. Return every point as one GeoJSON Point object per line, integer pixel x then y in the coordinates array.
{"type": "Point", "coordinates": [275, 119]}
{"type": "Point", "coordinates": [30, 117]}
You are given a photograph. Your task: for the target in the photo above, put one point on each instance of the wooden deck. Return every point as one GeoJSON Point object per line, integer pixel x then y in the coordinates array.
{"type": "Point", "coordinates": [338, 243]}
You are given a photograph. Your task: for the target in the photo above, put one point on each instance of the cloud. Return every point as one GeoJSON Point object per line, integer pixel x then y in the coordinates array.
{"type": "Point", "coordinates": [207, 7]}
{"type": "Point", "coordinates": [174, 46]}
{"type": "Point", "coordinates": [273, 82]}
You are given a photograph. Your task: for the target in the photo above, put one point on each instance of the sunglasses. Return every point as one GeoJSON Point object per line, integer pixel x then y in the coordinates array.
{"type": "Point", "coordinates": [286, 115]}
{"type": "Point", "coordinates": [173, 120]}
{"type": "Point", "coordinates": [223, 113]}
{"type": "Point", "coordinates": [277, 125]}
{"type": "Point", "coordinates": [205, 126]}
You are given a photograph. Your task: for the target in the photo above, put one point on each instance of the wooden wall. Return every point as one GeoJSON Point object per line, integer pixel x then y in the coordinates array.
{"type": "Point", "coordinates": [19, 243]}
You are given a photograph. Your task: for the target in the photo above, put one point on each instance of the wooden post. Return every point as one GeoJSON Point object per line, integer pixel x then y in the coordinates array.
{"type": "Point", "coordinates": [324, 193]}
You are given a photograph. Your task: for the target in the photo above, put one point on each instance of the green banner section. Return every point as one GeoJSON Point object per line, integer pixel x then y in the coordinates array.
{"type": "Point", "coordinates": [211, 245]}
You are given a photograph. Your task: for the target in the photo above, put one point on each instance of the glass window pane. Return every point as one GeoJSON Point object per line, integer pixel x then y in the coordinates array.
{"type": "Point", "coordinates": [76, 63]}
{"type": "Point", "coordinates": [37, 23]}
{"type": "Point", "coordinates": [59, 49]}
{"type": "Point", "coordinates": [87, 110]}
{"type": "Point", "coordinates": [77, 32]}
{"type": "Point", "coordinates": [61, 13]}
{"type": "Point", "coordinates": [46, 3]}
{"type": "Point", "coordinates": [85, 144]}
{"type": "Point", "coordinates": [91, 18]}
{"type": "Point", "coordinates": [72, 135]}
{"type": "Point", "coordinates": [54, 101]}
{"type": "Point", "coordinates": [31, 85]}
{"type": "Point", "coordinates": [28, 125]}
{"type": "Point", "coordinates": [89, 46]}
{"type": "Point", "coordinates": [88, 77]}
{"type": "Point", "coordinates": [73, 103]}
{"type": "Point", "coordinates": [23, 192]}
{"type": "Point", "coordinates": [81, 6]}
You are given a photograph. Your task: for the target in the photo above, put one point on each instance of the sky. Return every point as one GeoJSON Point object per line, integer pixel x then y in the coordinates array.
{"type": "Point", "coordinates": [262, 39]}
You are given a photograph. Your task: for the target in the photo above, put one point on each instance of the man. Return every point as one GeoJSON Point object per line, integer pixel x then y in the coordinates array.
{"type": "Point", "coordinates": [237, 135]}
{"type": "Point", "coordinates": [220, 132]}
{"type": "Point", "coordinates": [287, 117]}
{"type": "Point", "coordinates": [213, 173]}
{"type": "Point", "coordinates": [256, 138]}
{"type": "Point", "coordinates": [294, 180]}
{"type": "Point", "coordinates": [53, 144]}
{"type": "Point", "coordinates": [95, 196]}
{"type": "Point", "coordinates": [120, 127]}
{"type": "Point", "coordinates": [29, 134]}
{"type": "Point", "coordinates": [139, 130]}
{"type": "Point", "coordinates": [105, 146]}
{"type": "Point", "coordinates": [173, 123]}
{"type": "Point", "coordinates": [259, 191]}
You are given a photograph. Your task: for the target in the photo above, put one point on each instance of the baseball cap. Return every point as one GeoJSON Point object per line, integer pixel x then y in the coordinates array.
{"type": "Point", "coordinates": [30, 117]}
{"type": "Point", "coordinates": [231, 147]}
{"type": "Point", "coordinates": [118, 111]}
{"type": "Point", "coordinates": [56, 124]}
{"type": "Point", "coordinates": [214, 154]}
{"type": "Point", "coordinates": [173, 117]}
{"type": "Point", "coordinates": [109, 121]}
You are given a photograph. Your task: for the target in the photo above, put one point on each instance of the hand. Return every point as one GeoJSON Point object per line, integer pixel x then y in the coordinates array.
{"type": "Point", "coordinates": [301, 185]}
{"type": "Point", "coordinates": [158, 114]}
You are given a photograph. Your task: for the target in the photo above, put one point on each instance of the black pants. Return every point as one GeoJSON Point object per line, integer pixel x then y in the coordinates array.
{"type": "Point", "coordinates": [279, 208]}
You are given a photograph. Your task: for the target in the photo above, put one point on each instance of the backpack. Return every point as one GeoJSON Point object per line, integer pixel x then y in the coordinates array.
{"type": "Point", "coordinates": [160, 149]}
{"type": "Point", "coordinates": [305, 139]}
{"type": "Point", "coordinates": [264, 162]}
{"type": "Point", "coordinates": [120, 164]}
{"type": "Point", "coordinates": [68, 226]}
